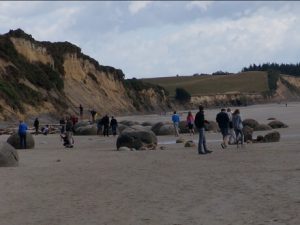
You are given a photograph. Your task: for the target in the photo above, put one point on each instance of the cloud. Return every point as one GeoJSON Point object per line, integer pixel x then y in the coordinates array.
{"type": "Point", "coordinates": [202, 5]}
{"type": "Point", "coordinates": [136, 6]}
{"type": "Point", "coordinates": [167, 38]}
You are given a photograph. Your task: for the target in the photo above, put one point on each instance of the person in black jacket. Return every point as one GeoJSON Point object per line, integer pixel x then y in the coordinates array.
{"type": "Point", "coordinates": [36, 125]}
{"type": "Point", "coordinates": [105, 122]}
{"type": "Point", "coordinates": [199, 123]}
{"type": "Point", "coordinates": [223, 122]}
{"type": "Point", "coordinates": [113, 125]}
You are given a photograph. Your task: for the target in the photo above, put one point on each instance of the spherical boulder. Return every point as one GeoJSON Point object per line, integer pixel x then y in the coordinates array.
{"type": "Point", "coordinates": [166, 129]}
{"type": "Point", "coordinates": [183, 127]}
{"type": "Point", "coordinates": [86, 130]}
{"type": "Point", "coordinates": [189, 144]}
{"type": "Point", "coordinates": [211, 126]}
{"type": "Point", "coordinates": [277, 124]}
{"type": "Point", "coordinates": [14, 140]}
{"type": "Point", "coordinates": [122, 127]}
{"type": "Point", "coordinates": [274, 136]}
{"type": "Point", "coordinates": [248, 132]}
{"type": "Point", "coordinates": [128, 123]}
{"type": "Point", "coordinates": [8, 155]}
{"type": "Point", "coordinates": [250, 123]}
{"type": "Point", "coordinates": [156, 127]}
{"type": "Point", "coordinates": [137, 139]}
{"type": "Point", "coordinates": [259, 138]}
{"type": "Point", "coordinates": [262, 127]}
{"type": "Point", "coordinates": [147, 124]}
{"type": "Point", "coordinates": [180, 140]}
{"type": "Point", "coordinates": [81, 124]}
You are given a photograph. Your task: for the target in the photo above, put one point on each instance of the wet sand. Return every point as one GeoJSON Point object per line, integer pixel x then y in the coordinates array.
{"type": "Point", "coordinates": [95, 184]}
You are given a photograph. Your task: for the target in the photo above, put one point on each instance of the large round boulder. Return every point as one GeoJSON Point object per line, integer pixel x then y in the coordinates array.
{"type": "Point", "coordinates": [189, 144]}
{"type": "Point", "coordinates": [156, 127]}
{"type": "Point", "coordinates": [147, 124]}
{"type": "Point", "coordinates": [86, 130]}
{"type": "Point", "coordinates": [183, 127]}
{"type": "Point", "coordinates": [211, 126]}
{"type": "Point", "coordinates": [122, 127]}
{"type": "Point", "coordinates": [128, 123]}
{"type": "Point", "coordinates": [166, 129]}
{"type": "Point", "coordinates": [262, 127]}
{"type": "Point", "coordinates": [274, 136]}
{"type": "Point", "coordinates": [137, 139]}
{"type": "Point", "coordinates": [8, 155]}
{"type": "Point", "coordinates": [81, 124]}
{"type": "Point", "coordinates": [250, 123]}
{"type": "Point", "coordinates": [14, 140]}
{"type": "Point", "coordinates": [277, 124]}
{"type": "Point", "coordinates": [248, 132]}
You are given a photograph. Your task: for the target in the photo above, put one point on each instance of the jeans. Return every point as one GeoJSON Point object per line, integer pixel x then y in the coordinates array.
{"type": "Point", "coordinates": [202, 141]}
{"type": "Point", "coordinates": [237, 133]}
{"type": "Point", "coordinates": [23, 144]}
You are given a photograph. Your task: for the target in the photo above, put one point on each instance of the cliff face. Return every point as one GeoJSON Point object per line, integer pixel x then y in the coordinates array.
{"type": "Point", "coordinates": [288, 89]}
{"type": "Point", "coordinates": [43, 77]}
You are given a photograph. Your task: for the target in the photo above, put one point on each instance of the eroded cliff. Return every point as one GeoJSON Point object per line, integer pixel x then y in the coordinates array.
{"type": "Point", "coordinates": [42, 77]}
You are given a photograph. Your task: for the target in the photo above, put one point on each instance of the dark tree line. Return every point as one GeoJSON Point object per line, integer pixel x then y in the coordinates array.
{"type": "Point", "coordinates": [289, 69]}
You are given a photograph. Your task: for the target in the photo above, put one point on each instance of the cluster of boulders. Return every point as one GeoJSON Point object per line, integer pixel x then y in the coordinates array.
{"type": "Point", "coordinates": [251, 125]}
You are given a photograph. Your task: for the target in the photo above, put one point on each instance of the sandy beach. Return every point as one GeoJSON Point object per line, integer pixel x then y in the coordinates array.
{"type": "Point", "coordinates": [93, 184]}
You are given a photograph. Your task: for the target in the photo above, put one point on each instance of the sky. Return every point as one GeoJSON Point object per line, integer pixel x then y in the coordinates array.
{"type": "Point", "coordinates": [165, 38]}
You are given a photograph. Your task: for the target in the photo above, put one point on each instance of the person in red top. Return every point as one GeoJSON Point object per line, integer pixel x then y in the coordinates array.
{"type": "Point", "coordinates": [190, 123]}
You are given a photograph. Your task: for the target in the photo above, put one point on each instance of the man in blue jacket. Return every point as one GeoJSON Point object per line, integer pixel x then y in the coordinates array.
{"type": "Point", "coordinates": [176, 120]}
{"type": "Point", "coordinates": [22, 134]}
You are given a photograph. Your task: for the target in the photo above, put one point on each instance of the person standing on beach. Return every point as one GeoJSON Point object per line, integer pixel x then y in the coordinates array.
{"type": "Point", "coordinates": [231, 137]}
{"type": "Point", "coordinates": [238, 126]}
{"type": "Point", "coordinates": [190, 123]}
{"type": "Point", "coordinates": [199, 123]}
{"type": "Point", "coordinates": [105, 122]}
{"type": "Point", "coordinates": [22, 134]}
{"type": "Point", "coordinates": [176, 120]}
{"type": "Point", "coordinates": [113, 125]}
{"type": "Point", "coordinates": [223, 122]}
{"type": "Point", "coordinates": [93, 114]}
{"type": "Point", "coordinates": [81, 111]}
{"type": "Point", "coordinates": [69, 130]}
{"type": "Point", "coordinates": [36, 125]}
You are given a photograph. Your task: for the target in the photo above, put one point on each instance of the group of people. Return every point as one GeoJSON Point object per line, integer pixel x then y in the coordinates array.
{"type": "Point", "coordinates": [105, 123]}
{"type": "Point", "coordinates": [230, 125]}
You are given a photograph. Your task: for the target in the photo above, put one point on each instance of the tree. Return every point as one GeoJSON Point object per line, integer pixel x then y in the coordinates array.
{"type": "Point", "coordinates": [182, 95]}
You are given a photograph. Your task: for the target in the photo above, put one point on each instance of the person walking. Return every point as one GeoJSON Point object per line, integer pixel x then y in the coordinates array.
{"type": "Point", "coordinates": [36, 125]}
{"type": "Point", "coordinates": [113, 125]}
{"type": "Point", "coordinates": [190, 123]}
{"type": "Point", "coordinates": [176, 120]}
{"type": "Point", "coordinates": [22, 134]}
{"type": "Point", "coordinates": [238, 127]}
{"type": "Point", "coordinates": [69, 130]}
{"type": "Point", "coordinates": [223, 122]}
{"type": "Point", "coordinates": [105, 122]}
{"type": "Point", "coordinates": [199, 123]}
{"type": "Point", "coordinates": [231, 137]}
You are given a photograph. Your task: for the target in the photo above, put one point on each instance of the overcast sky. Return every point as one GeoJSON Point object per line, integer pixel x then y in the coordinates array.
{"type": "Point", "coordinates": [164, 38]}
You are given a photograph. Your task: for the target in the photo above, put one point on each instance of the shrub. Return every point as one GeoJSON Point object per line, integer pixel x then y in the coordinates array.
{"type": "Point", "coordinates": [182, 95]}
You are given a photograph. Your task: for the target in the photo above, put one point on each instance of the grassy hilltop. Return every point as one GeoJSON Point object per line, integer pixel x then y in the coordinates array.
{"type": "Point", "coordinates": [246, 82]}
